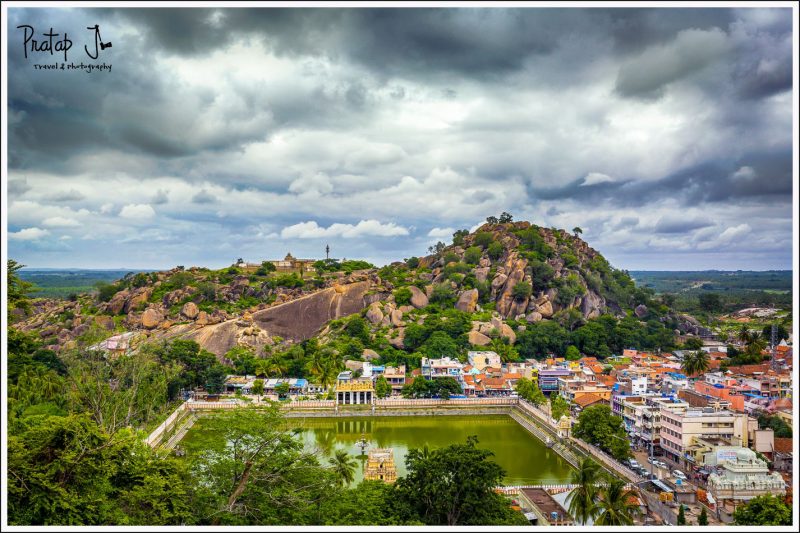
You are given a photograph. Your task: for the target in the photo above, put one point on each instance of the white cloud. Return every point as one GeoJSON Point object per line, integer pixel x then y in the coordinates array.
{"type": "Point", "coordinates": [106, 208]}
{"type": "Point", "coordinates": [137, 211]}
{"type": "Point", "coordinates": [744, 174]}
{"type": "Point", "coordinates": [60, 222]}
{"type": "Point", "coordinates": [28, 234]}
{"type": "Point", "coordinates": [317, 184]}
{"type": "Point", "coordinates": [441, 232]}
{"type": "Point", "coordinates": [735, 232]}
{"type": "Point", "coordinates": [311, 230]}
{"type": "Point", "coordinates": [593, 178]}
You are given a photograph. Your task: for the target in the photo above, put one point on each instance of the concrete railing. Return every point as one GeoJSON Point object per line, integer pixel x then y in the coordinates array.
{"type": "Point", "coordinates": [155, 436]}
{"type": "Point", "coordinates": [606, 460]}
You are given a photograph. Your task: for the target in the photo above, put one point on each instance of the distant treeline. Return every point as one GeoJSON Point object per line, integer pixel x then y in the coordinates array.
{"type": "Point", "coordinates": [63, 283]}
{"type": "Point", "coordinates": [736, 289]}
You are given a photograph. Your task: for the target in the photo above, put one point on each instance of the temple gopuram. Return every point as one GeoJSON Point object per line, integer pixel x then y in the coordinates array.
{"type": "Point", "coordinates": [380, 466]}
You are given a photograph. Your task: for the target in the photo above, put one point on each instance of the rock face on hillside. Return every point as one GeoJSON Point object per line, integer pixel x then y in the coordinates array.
{"type": "Point", "coordinates": [300, 319]}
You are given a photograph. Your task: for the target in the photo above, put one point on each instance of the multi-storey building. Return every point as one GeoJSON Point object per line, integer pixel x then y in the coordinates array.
{"type": "Point", "coordinates": [680, 428]}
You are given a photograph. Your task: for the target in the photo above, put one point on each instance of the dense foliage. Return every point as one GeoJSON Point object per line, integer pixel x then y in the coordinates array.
{"type": "Point", "coordinates": [597, 425]}
{"type": "Point", "coordinates": [766, 510]}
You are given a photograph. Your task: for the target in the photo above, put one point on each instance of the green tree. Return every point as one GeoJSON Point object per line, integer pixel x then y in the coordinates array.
{"type": "Point", "coordinates": [710, 302]}
{"type": "Point", "coordinates": [402, 296]}
{"type": "Point", "coordinates": [483, 239]}
{"type": "Point", "coordinates": [541, 339]}
{"type": "Point", "coordinates": [505, 217]}
{"type": "Point", "coordinates": [418, 388]}
{"type": "Point", "coordinates": [504, 349]}
{"type": "Point", "coordinates": [581, 501]}
{"type": "Point", "coordinates": [681, 516]}
{"type": "Point", "coordinates": [440, 344]}
{"type": "Point", "coordinates": [558, 406]}
{"type": "Point", "coordinates": [444, 387]}
{"type": "Point", "coordinates": [343, 466]}
{"type": "Point", "coordinates": [693, 343]}
{"type": "Point", "coordinates": [382, 387]}
{"type": "Point", "coordinates": [702, 520]}
{"type": "Point", "coordinates": [262, 475]}
{"type": "Point", "coordinates": [592, 339]}
{"type": "Point", "coordinates": [18, 289]}
{"type": "Point", "coordinates": [243, 358]}
{"type": "Point", "coordinates": [472, 255]}
{"type": "Point", "coordinates": [572, 353]}
{"type": "Point", "coordinates": [458, 237]}
{"type": "Point", "coordinates": [412, 262]}
{"type": "Point", "coordinates": [258, 387]}
{"type": "Point", "coordinates": [443, 295]}
{"type": "Point", "coordinates": [577, 231]}
{"type": "Point", "coordinates": [529, 390]}
{"type": "Point", "coordinates": [491, 220]}
{"type": "Point", "coordinates": [282, 389]}
{"type": "Point", "coordinates": [765, 510]}
{"type": "Point", "coordinates": [454, 486]}
{"type": "Point", "coordinates": [495, 250]}
{"type": "Point", "coordinates": [599, 426]}
{"type": "Point", "coordinates": [617, 505]}
{"type": "Point", "coordinates": [695, 362]}
{"type": "Point", "coordinates": [521, 291]}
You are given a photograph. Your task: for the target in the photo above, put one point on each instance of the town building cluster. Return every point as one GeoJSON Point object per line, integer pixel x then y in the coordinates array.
{"type": "Point", "coordinates": [703, 429]}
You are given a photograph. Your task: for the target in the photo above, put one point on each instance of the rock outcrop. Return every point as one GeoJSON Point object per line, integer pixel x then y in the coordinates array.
{"type": "Point", "coordinates": [302, 318]}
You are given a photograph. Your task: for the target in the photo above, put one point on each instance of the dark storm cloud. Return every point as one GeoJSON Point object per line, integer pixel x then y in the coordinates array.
{"type": "Point", "coordinates": [677, 223]}
{"type": "Point", "coordinates": [427, 118]}
{"type": "Point", "coordinates": [712, 181]}
{"type": "Point", "coordinates": [204, 197]}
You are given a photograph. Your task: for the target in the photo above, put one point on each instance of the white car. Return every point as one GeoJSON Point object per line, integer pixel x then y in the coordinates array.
{"type": "Point", "coordinates": [651, 460]}
{"type": "Point", "coordinates": [678, 474]}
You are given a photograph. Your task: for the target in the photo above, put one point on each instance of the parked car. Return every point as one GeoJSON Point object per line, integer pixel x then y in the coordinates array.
{"type": "Point", "coordinates": [633, 463]}
{"type": "Point", "coordinates": [651, 460]}
{"type": "Point", "coordinates": [678, 474]}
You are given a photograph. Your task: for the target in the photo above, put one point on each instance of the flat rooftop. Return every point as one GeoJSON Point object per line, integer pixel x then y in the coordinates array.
{"type": "Point", "coordinates": [546, 504]}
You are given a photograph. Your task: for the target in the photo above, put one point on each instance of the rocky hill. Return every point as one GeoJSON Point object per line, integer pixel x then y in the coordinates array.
{"type": "Point", "coordinates": [503, 274]}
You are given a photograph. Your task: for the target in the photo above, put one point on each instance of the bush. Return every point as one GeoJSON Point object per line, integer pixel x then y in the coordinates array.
{"type": "Point", "coordinates": [451, 257]}
{"type": "Point", "coordinates": [472, 255]}
{"type": "Point", "coordinates": [483, 239]}
{"type": "Point", "coordinates": [495, 250]}
{"type": "Point", "coordinates": [521, 291]}
{"type": "Point", "coordinates": [412, 262]}
{"type": "Point", "coordinates": [402, 296]}
{"type": "Point", "coordinates": [443, 295]}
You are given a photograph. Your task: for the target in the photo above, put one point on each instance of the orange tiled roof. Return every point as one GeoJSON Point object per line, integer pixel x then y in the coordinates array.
{"type": "Point", "coordinates": [783, 444]}
{"type": "Point", "coordinates": [587, 398]}
{"type": "Point", "coordinates": [494, 383]}
{"type": "Point", "coordinates": [512, 375]}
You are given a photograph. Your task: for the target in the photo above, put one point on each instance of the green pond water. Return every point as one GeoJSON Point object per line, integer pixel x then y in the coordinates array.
{"type": "Point", "coordinates": [525, 458]}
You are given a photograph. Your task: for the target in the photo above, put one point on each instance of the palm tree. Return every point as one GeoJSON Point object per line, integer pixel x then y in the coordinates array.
{"type": "Point", "coordinates": [695, 363]}
{"type": "Point", "coordinates": [581, 501]}
{"type": "Point", "coordinates": [744, 334]}
{"type": "Point", "coordinates": [328, 373]}
{"type": "Point", "coordinates": [756, 344]}
{"type": "Point", "coordinates": [343, 466]}
{"type": "Point", "coordinates": [616, 505]}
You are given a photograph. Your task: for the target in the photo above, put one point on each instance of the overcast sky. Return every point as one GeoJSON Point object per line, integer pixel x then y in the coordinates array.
{"type": "Point", "coordinates": [664, 133]}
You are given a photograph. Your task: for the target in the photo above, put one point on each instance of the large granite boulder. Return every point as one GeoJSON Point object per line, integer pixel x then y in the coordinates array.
{"type": "Point", "coordinates": [151, 318]}
{"type": "Point", "coordinates": [467, 301]}
{"type": "Point", "coordinates": [477, 338]}
{"type": "Point", "coordinates": [418, 298]}
{"type": "Point", "coordinates": [190, 310]}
